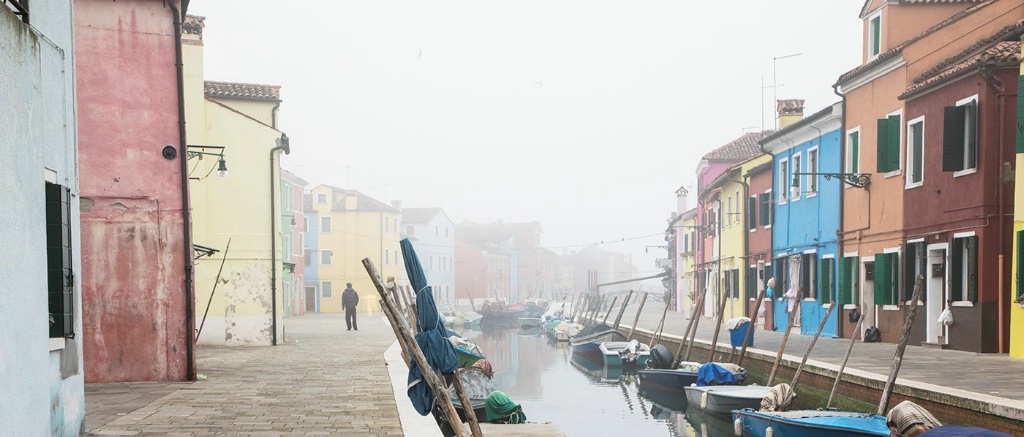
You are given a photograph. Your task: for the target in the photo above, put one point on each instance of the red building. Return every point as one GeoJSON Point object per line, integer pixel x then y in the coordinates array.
{"type": "Point", "coordinates": [759, 239]}
{"type": "Point", "coordinates": [138, 306]}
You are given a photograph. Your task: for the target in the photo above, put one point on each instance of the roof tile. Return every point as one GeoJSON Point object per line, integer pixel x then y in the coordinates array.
{"type": "Point", "coordinates": [740, 149]}
{"type": "Point", "coordinates": [246, 91]}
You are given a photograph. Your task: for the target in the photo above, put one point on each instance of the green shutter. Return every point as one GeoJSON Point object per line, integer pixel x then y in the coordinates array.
{"type": "Point", "coordinates": [844, 282]}
{"type": "Point", "coordinates": [854, 145]}
{"type": "Point", "coordinates": [895, 127]}
{"type": "Point", "coordinates": [1020, 117]}
{"type": "Point", "coordinates": [956, 271]}
{"type": "Point", "coordinates": [855, 279]}
{"type": "Point", "coordinates": [910, 270]}
{"type": "Point", "coordinates": [882, 146]}
{"type": "Point", "coordinates": [825, 277]}
{"type": "Point", "coordinates": [972, 268]}
{"type": "Point", "coordinates": [58, 251]}
{"type": "Point", "coordinates": [888, 144]}
{"type": "Point", "coordinates": [1020, 262]}
{"type": "Point", "coordinates": [883, 278]}
{"type": "Point", "coordinates": [751, 213]}
{"type": "Point", "coordinates": [894, 281]}
{"type": "Point", "coordinates": [953, 138]}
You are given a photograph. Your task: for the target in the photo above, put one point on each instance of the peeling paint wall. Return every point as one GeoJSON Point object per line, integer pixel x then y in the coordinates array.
{"type": "Point", "coordinates": [133, 242]}
{"type": "Point", "coordinates": [40, 377]}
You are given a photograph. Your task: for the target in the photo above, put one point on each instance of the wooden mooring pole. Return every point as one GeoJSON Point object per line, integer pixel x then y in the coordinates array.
{"type": "Point", "coordinates": [614, 299]}
{"type": "Point", "coordinates": [622, 310]}
{"type": "Point", "coordinates": [817, 333]}
{"type": "Point", "coordinates": [750, 329]}
{"type": "Point", "coordinates": [897, 360]}
{"type": "Point", "coordinates": [637, 318]}
{"type": "Point", "coordinates": [696, 322]}
{"type": "Point", "coordinates": [785, 337]}
{"type": "Point", "coordinates": [718, 327]}
{"type": "Point", "coordinates": [842, 367]}
{"type": "Point", "coordinates": [694, 315]}
{"type": "Point", "coordinates": [432, 379]}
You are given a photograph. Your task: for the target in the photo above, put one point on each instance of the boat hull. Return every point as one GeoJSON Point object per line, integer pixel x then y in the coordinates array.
{"type": "Point", "coordinates": [612, 352]}
{"type": "Point", "coordinates": [589, 347]}
{"type": "Point", "coordinates": [810, 423]}
{"type": "Point", "coordinates": [467, 358]}
{"type": "Point", "coordinates": [666, 380]}
{"type": "Point", "coordinates": [723, 399]}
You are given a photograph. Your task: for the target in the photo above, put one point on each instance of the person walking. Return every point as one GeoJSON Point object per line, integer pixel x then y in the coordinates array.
{"type": "Point", "coordinates": [349, 300]}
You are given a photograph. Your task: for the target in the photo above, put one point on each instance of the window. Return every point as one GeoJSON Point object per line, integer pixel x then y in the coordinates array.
{"type": "Point", "coordinates": [752, 212]}
{"type": "Point", "coordinates": [914, 264]}
{"type": "Point", "coordinates": [796, 176]}
{"type": "Point", "coordinates": [446, 232]}
{"type": "Point", "coordinates": [59, 276]}
{"type": "Point", "coordinates": [875, 35]}
{"type": "Point", "coordinates": [766, 208]}
{"type": "Point", "coordinates": [387, 224]}
{"type": "Point", "coordinates": [889, 144]}
{"type": "Point", "coordinates": [887, 278]}
{"type": "Point", "coordinates": [960, 136]}
{"type": "Point", "coordinates": [732, 283]}
{"type": "Point", "coordinates": [809, 275]}
{"type": "Point", "coordinates": [728, 211]}
{"type": "Point", "coordinates": [387, 256]}
{"type": "Point", "coordinates": [321, 198]}
{"type": "Point", "coordinates": [326, 290]}
{"type": "Point", "coordinates": [307, 257]}
{"type": "Point", "coordinates": [964, 269]}
{"type": "Point", "coordinates": [437, 231]}
{"type": "Point", "coordinates": [849, 280]}
{"type": "Point", "coordinates": [915, 152]}
{"type": "Point", "coordinates": [812, 167]}
{"type": "Point", "coordinates": [752, 281]}
{"type": "Point", "coordinates": [326, 257]}
{"type": "Point", "coordinates": [853, 151]}
{"type": "Point", "coordinates": [325, 224]}
{"type": "Point", "coordinates": [305, 225]}
{"type": "Point", "coordinates": [686, 244]}
{"type": "Point", "coordinates": [827, 283]}
{"type": "Point", "coordinates": [783, 180]}
{"type": "Point", "coordinates": [738, 205]}
{"type": "Point", "coordinates": [19, 7]}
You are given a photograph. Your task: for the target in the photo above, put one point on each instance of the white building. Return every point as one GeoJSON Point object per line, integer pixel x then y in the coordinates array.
{"type": "Point", "coordinates": [433, 236]}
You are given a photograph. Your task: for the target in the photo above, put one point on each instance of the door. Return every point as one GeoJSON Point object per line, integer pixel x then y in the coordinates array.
{"type": "Point", "coordinates": [311, 299]}
{"type": "Point", "coordinates": [935, 298]}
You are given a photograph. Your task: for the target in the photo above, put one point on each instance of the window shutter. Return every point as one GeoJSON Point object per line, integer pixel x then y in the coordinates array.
{"type": "Point", "coordinates": [956, 274]}
{"type": "Point", "coordinates": [894, 279]}
{"type": "Point", "coordinates": [971, 117]}
{"type": "Point", "coordinates": [1020, 255]}
{"type": "Point", "coordinates": [883, 276]}
{"type": "Point", "coordinates": [893, 155]}
{"type": "Point", "coordinates": [972, 268]}
{"type": "Point", "coordinates": [910, 272]}
{"type": "Point", "coordinates": [855, 279]}
{"type": "Point", "coordinates": [751, 213]}
{"type": "Point", "coordinates": [60, 292]}
{"type": "Point", "coordinates": [844, 282]}
{"type": "Point", "coordinates": [854, 164]}
{"type": "Point", "coordinates": [825, 273]}
{"type": "Point", "coordinates": [882, 151]}
{"type": "Point", "coordinates": [953, 138]}
{"type": "Point", "coordinates": [764, 201]}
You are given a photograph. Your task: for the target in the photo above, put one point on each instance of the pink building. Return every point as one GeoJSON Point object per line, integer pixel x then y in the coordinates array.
{"type": "Point", "coordinates": [137, 292]}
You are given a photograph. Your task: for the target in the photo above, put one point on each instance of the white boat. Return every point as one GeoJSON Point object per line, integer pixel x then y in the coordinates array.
{"type": "Point", "coordinates": [625, 353]}
{"type": "Point", "coordinates": [722, 399]}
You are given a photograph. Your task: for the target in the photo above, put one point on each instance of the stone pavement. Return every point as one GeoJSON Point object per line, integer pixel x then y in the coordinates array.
{"type": "Point", "coordinates": [322, 380]}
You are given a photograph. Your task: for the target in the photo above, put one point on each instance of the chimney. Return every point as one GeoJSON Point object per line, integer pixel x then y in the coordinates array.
{"type": "Point", "coordinates": [681, 200]}
{"type": "Point", "coordinates": [397, 204]}
{"type": "Point", "coordinates": [790, 111]}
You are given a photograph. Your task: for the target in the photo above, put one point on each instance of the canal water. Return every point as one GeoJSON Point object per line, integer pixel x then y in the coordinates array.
{"type": "Point", "coordinates": [580, 397]}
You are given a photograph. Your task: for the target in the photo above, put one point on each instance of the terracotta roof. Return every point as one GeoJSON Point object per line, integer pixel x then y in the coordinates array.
{"type": "Point", "coordinates": [740, 149]}
{"type": "Point", "coordinates": [760, 168]}
{"type": "Point", "coordinates": [1003, 52]}
{"type": "Point", "coordinates": [867, 3]}
{"type": "Point", "coordinates": [419, 215]}
{"type": "Point", "coordinates": [244, 91]}
{"type": "Point", "coordinates": [194, 24]}
{"type": "Point", "coordinates": [790, 106]}
{"type": "Point", "coordinates": [363, 202]}
{"type": "Point", "coordinates": [898, 49]}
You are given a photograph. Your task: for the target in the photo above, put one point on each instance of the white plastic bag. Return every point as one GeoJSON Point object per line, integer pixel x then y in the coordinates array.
{"type": "Point", "coordinates": [946, 318]}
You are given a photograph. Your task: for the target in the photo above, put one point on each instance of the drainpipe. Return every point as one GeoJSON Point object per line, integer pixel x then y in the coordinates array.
{"type": "Point", "coordinates": [840, 235]}
{"type": "Point", "coordinates": [282, 144]}
{"type": "Point", "coordinates": [999, 87]}
{"type": "Point", "coordinates": [186, 214]}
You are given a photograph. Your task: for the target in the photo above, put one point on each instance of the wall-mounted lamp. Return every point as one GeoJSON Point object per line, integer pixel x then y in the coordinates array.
{"type": "Point", "coordinates": [859, 180]}
{"type": "Point", "coordinates": [222, 165]}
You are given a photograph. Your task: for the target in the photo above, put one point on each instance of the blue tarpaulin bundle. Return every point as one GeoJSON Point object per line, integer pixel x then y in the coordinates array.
{"type": "Point", "coordinates": [431, 335]}
{"type": "Point", "coordinates": [714, 374]}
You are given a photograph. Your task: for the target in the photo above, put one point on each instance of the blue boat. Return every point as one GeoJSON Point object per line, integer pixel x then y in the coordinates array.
{"type": "Point", "coordinates": [587, 344]}
{"type": "Point", "coordinates": [808, 423]}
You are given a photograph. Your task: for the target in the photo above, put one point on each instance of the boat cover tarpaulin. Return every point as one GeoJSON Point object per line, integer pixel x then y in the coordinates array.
{"type": "Point", "coordinates": [431, 334]}
{"type": "Point", "coordinates": [714, 374]}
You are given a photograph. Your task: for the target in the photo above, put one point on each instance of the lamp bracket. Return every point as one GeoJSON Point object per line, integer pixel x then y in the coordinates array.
{"type": "Point", "coordinates": [859, 180]}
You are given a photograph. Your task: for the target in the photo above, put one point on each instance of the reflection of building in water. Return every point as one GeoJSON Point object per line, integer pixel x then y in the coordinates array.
{"type": "Point", "coordinates": [518, 360]}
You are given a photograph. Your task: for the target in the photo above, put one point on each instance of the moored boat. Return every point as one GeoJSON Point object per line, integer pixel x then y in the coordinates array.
{"type": "Point", "coordinates": [661, 377]}
{"type": "Point", "coordinates": [587, 343]}
{"type": "Point", "coordinates": [625, 353]}
{"type": "Point", "coordinates": [809, 423]}
{"type": "Point", "coordinates": [722, 399]}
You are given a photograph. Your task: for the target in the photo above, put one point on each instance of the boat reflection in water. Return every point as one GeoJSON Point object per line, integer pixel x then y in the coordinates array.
{"type": "Point", "coordinates": [581, 397]}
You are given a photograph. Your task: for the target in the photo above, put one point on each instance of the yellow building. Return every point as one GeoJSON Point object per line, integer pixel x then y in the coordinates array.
{"type": "Point", "coordinates": [353, 226]}
{"type": "Point", "coordinates": [735, 234]}
{"type": "Point", "coordinates": [686, 273]}
{"type": "Point", "coordinates": [234, 126]}
{"type": "Point", "coordinates": [1017, 307]}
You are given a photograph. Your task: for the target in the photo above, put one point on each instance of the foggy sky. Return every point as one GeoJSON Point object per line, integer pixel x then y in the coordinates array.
{"type": "Point", "coordinates": [583, 115]}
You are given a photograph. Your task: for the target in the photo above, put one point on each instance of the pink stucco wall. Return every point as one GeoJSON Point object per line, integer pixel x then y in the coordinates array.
{"type": "Point", "coordinates": [133, 282]}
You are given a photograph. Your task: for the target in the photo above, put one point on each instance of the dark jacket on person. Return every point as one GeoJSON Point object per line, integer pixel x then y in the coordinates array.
{"type": "Point", "coordinates": [349, 297]}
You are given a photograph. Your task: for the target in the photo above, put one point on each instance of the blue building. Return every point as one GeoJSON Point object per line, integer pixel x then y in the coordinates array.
{"type": "Point", "coordinates": [310, 255]}
{"type": "Point", "coordinates": [806, 165]}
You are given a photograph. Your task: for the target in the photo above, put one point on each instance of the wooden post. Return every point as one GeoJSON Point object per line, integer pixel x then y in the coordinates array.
{"type": "Point", "coordinates": [897, 360]}
{"type": "Point", "coordinates": [398, 335]}
{"type": "Point", "coordinates": [842, 367]}
{"type": "Point", "coordinates": [622, 310]}
{"type": "Point", "coordinates": [391, 286]}
{"type": "Point", "coordinates": [578, 306]}
{"type": "Point", "coordinates": [817, 333]}
{"type": "Point", "coordinates": [696, 322]}
{"type": "Point", "coordinates": [661, 327]}
{"type": "Point", "coordinates": [597, 309]}
{"type": "Point", "coordinates": [615, 299]}
{"type": "Point", "coordinates": [637, 318]}
{"type": "Point", "coordinates": [438, 386]}
{"type": "Point", "coordinates": [718, 327]}
{"type": "Point", "coordinates": [750, 329]}
{"type": "Point", "coordinates": [694, 315]}
{"type": "Point", "coordinates": [785, 337]}
{"type": "Point", "coordinates": [467, 405]}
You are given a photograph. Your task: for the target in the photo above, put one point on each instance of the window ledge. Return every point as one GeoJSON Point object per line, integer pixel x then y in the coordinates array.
{"type": "Point", "coordinates": [57, 344]}
{"type": "Point", "coordinates": [849, 306]}
{"type": "Point", "coordinates": [915, 185]}
{"type": "Point", "coordinates": [826, 305]}
{"type": "Point", "coordinates": [892, 174]}
{"type": "Point", "coordinates": [890, 307]}
{"type": "Point", "coordinates": [963, 303]}
{"type": "Point", "coordinates": [811, 194]}
{"type": "Point", "coordinates": [910, 302]}
{"type": "Point", "coordinates": [969, 171]}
